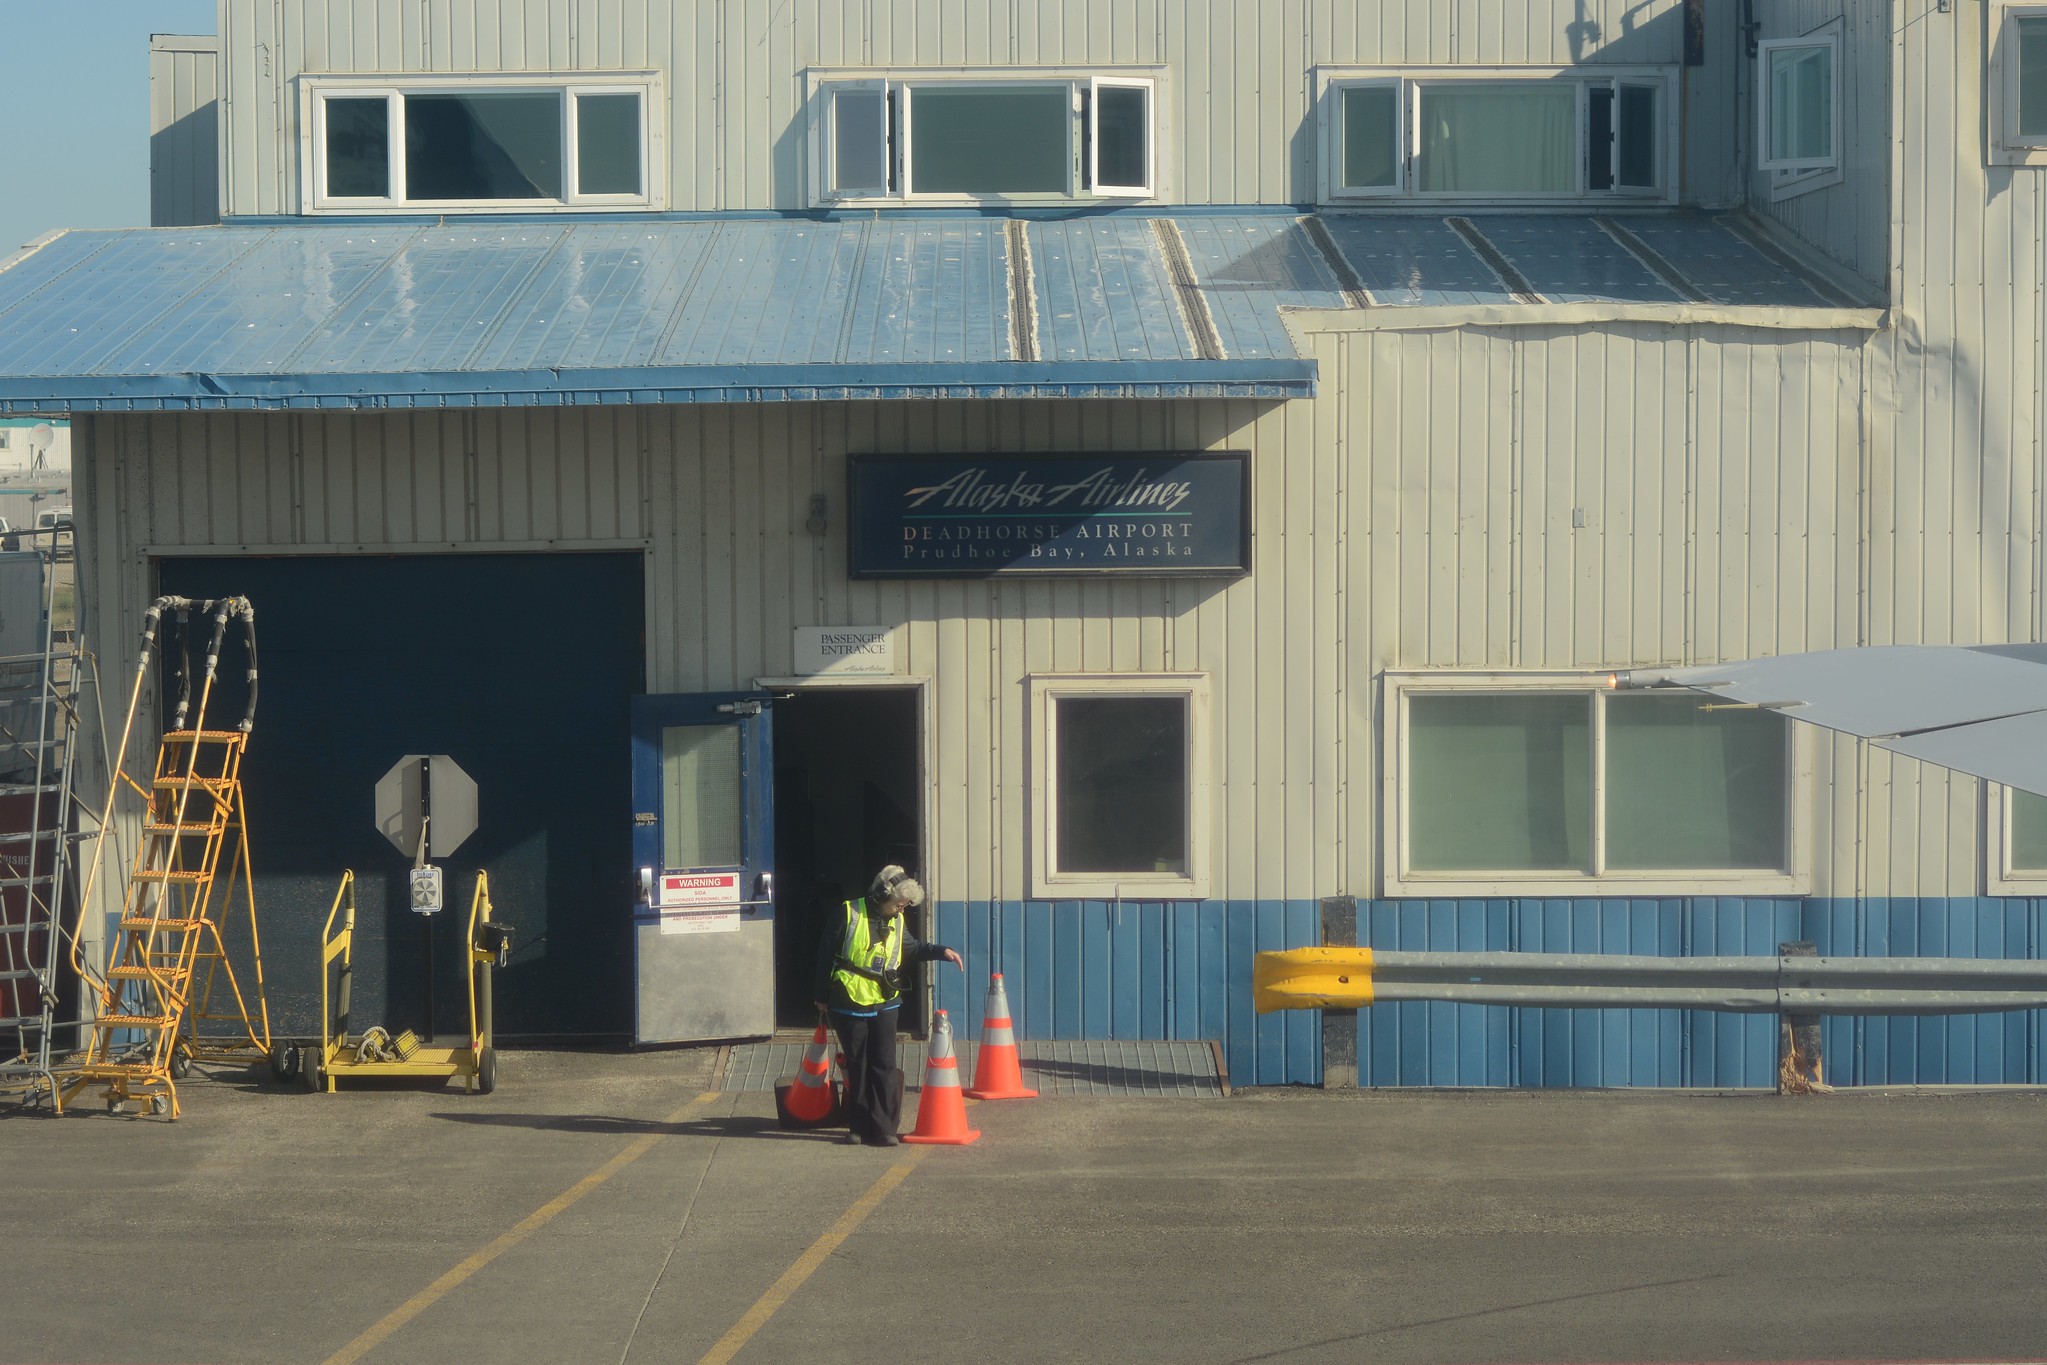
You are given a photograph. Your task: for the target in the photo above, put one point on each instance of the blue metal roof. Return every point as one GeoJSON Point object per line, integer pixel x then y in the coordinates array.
{"type": "Point", "coordinates": [320, 314]}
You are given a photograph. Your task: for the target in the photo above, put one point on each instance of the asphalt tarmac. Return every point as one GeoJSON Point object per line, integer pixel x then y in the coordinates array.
{"type": "Point", "coordinates": [611, 1208]}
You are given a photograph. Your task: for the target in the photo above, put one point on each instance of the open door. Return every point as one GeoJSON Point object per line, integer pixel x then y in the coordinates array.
{"type": "Point", "coordinates": [703, 848]}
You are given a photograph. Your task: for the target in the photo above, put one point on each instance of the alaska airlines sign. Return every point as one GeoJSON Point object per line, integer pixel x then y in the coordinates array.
{"type": "Point", "coordinates": [972, 517]}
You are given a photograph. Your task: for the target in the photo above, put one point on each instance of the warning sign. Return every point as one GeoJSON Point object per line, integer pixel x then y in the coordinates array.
{"type": "Point", "coordinates": [695, 890]}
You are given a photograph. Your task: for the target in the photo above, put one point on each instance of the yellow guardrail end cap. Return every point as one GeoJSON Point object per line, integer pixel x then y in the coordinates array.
{"type": "Point", "coordinates": [1311, 978]}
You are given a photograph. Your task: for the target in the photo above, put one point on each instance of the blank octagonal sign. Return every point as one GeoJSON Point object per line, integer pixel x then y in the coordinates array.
{"type": "Point", "coordinates": [422, 785]}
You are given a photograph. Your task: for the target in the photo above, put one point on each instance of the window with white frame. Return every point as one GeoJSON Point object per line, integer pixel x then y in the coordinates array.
{"type": "Point", "coordinates": [1501, 133]}
{"type": "Point", "coordinates": [2017, 843]}
{"type": "Point", "coordinates": [1798, 120]}
{"type": "Point", "coordinates": [1119, 786]}
{"type": "Point", "coordinates": [978, 136]}
{"type": "Point", "coordinates": [1515, 785]}
{"type": "Point", "coordinates": [2016, 84]}
{"type": "Point", "coordinates": [456, 143]}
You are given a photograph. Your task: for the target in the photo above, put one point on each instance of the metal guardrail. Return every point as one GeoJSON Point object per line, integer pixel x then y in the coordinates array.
{"type": "Point", "coordinates": [1353, 978]}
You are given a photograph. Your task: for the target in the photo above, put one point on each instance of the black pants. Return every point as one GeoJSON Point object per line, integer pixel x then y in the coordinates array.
{"type": "Point", "coordinates": [874, 1105]}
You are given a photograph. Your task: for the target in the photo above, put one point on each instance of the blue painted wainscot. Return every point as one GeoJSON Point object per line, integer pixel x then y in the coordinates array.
{"type": "Point", "coordinates": [1182, 970]}
{"type": "Point", "coordinates": [1136, 969]}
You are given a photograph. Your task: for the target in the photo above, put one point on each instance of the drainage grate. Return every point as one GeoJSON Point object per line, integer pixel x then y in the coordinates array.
{"type": "Point", "coordinates": [1179, 1069]}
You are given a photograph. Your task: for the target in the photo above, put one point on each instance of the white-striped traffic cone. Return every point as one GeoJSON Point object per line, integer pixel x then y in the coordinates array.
{"type": "Point", "coordinates": [998, 1069]}
{"type": "Point", "coordinates": [941, 1109]}
{"type": "Point", "coordinates": [809, 1101]}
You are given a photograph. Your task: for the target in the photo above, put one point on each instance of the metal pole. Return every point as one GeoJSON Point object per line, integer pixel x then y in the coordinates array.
{"type": "Point", "coordinates": [426, 805]}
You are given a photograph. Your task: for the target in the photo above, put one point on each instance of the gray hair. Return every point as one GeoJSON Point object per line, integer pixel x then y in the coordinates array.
{"type": "Point", "coordinates": [893, 883]}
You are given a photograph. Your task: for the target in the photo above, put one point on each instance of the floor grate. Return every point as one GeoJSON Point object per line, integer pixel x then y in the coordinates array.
{"type": "Point", "coordinates": [1187, 1070]}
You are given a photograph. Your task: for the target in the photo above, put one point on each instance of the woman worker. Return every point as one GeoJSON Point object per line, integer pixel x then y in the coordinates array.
{"type": "Point", "coordinates": [860, 962]}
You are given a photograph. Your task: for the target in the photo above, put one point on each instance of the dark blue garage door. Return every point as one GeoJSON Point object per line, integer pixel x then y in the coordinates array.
{"type": "Point", "coordinates": [520, 668]}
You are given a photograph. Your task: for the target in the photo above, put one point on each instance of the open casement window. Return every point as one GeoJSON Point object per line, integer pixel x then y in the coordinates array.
{"type": "Point", "coordinates": [1800, 114]}
{"type": "Point", "coordinates": [1118, 126]}
{"type": "Point", "coordinates": [529, 143]}
{"type": "Point", "coordinates": [1119, 786]}
{"type": "Point", "coordinates": [1623, 151]}
{"type": "Point", "coordinates": [1501, 135]}
{"type": "Point", "coordinates": [969, 138]}
{"type": "Point", "coordinates": [1509, 786]}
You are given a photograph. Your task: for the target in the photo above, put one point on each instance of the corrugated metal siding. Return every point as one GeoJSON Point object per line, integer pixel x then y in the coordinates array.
{"type": "Point", "coordinates": [1235, 125]}
{"type": "Point", "coordinates": [1475, 1045]}
{"type": "Point", "coordinates": [1469, 1045]}
{"type": "Point", "coordinates": [1985, 1049]}
{"type": "Point", "coordinates": [1135, 969]}
{"type": "Point", "coordinates": [1395, 525]}
{"type": "Point", "coordinates": [184, 131]}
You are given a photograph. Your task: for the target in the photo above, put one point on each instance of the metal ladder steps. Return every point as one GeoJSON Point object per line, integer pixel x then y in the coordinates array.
{"type": "Point", "coordinates": [24, 788]}
{"type": "Point", "coordinates": [179, 925]}
{"type": "Point", "coordinates": [213, 786]}
{"type": "Point", "coordinates": [204, 736]}
{"type": "Point", "coordinates": [182, 878]}
{"type": "Point", "coordinates": [142, 973]}
{"type": "Point", "coordinates": [193, 830]}
{"type": "Point", "coordinates": [36, 659]}
{"type": "Point", "coordinates": [137, 1021]}
{"type": "Point", "coordinates": [103, 1071]}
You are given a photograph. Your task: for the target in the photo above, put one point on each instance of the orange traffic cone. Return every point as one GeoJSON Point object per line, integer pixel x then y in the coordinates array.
{"type": "Point", "coordinates": [998, 1071]}
{"type": "Point", "coordinates": [809, 1101]}
{"type": "Point", "coordinates": [941, 1109]}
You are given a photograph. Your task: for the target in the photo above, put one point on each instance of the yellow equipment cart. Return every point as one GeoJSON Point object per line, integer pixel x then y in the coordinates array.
{"type": "Point", "coordinates": [339, 1056]}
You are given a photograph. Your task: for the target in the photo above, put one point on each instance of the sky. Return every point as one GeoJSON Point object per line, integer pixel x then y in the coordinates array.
{"type": "Point", "coordinates": [74, 110]}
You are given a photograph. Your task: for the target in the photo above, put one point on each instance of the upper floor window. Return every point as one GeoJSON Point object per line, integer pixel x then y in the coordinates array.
{"type": "Point", "coordinates": [1800, 106]}
{"type": "Point", "coordinates": [1505, 133]}
{"type": "Point", "coordinates": [1504, 785]}
{"type": "Point", "coordinates": [440, 143]}
{"type": "Point", "coordinates": [2017, 85]}
{"type": "Point", "coordinates": [977, 137]}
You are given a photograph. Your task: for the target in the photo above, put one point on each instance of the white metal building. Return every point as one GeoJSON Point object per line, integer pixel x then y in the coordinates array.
{"type": "Point", "coordinates": [548, 357]}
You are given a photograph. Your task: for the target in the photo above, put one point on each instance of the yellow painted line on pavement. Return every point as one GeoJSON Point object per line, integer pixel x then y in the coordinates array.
{"type": "Point", "coordinates": [792, 1279]}
{"type": "Point", "coordinates": [433, 1293]}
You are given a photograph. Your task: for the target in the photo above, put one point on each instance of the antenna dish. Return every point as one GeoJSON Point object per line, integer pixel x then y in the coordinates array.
{"type": "Point", "coordinates": [39, 438]}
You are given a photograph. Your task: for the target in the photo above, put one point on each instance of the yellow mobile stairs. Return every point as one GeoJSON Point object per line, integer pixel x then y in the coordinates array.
{"type": "Point", "coordinates": [170, 972]}
{"type": "Point", "coordinates": [39, 693]}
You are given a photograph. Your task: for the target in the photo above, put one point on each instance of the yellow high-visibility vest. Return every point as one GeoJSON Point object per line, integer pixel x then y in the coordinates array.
{"type": "Point", "coordinates": [858, 950]}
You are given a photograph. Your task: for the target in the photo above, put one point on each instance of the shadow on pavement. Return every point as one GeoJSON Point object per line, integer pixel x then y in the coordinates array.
{"type": "Point", "coordinates": [714, 1126]}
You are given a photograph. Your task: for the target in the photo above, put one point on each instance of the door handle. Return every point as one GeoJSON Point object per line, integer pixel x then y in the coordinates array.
{"type": "Point", "coordinates": [646, 886]}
